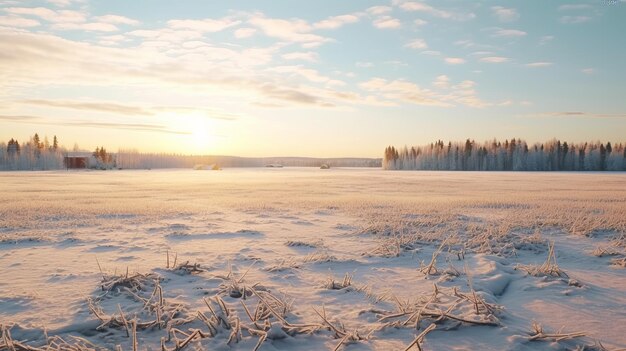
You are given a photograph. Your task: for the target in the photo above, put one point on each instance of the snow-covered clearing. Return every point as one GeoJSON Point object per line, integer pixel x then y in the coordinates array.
{"type": "Point", "coordinates": [310, 259]}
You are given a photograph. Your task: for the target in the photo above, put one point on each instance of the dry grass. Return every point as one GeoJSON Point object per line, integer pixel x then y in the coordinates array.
{"type": "Point", "coordinates": [443, 305]}
{"type": "Point", "coordinates": [309, 244]}
{"type": "Point", "coordinates": [619, 262]}
{"type": "Point", "coordinates": [549, 268]}
{"type": "Point", "coordinates": [538, 333]}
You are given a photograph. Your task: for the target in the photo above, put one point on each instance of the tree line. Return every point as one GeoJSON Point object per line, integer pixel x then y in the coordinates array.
{"type": "Point", "coordinates": [510, 155]}
{"type": "Point", "coordinates": [34, 154]}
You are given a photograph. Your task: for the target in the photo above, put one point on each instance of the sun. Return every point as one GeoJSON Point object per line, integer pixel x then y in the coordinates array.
{"type": "Point", "coordinates": [201, 134]}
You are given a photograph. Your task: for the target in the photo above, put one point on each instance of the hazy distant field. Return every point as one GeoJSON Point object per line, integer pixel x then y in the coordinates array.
{"type": "Point", "coordinates": [319, 258]}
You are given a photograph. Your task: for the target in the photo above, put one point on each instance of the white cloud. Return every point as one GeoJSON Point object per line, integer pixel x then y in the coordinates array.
{"type": "Point", "coordinates": [16, 21]}
{"type": "Point", "coordinates": [508, 33]}
{"type": "Point", "coordinates": [92, 27]}
{"type": "Point", "coordinates": [419, 6]}
{"type": "Point", "coordinates": [539, 64]}
{"type": "Point", "coordinates": [588, 70]}
{"type": "Point", "coordinates": [505, 14]}
{"type": "Point", "coordinates": [454, 60]}
{"type": "Point", "coordinates": [310, 56]}
{"type": "Point", "coordinates": [61, 16]}
{"type": "Point", "coordinates": [336, 22]}
{"type": "Point", "coordinates": [442, 82]}
{"type": "Point", "coordinates": [241, 33]}
{"type": "Point", "coordinates": [115, 19]}
{"type": "Point", "coordinates": [404, 91]}
{"type": "Point", "coordinates": [378, 10]}
{"type": "Point", "coordinates": [112, 40]}
{"type": "Point", "coordinates": [401, 90]}
{"type": "Point", "coordinates": [206, 25]}
{"type": "Point", "coordinates": [64, 3]}
{"type": "Point", "coordinates": [166, 35]}
{"type": "Point", "coordinates": [292, 30]}
{"type": "Point", "coordinates": [420, 22]}
{"type": "Point", "coordinates": [416, 44]}
{"type": "Point", "coordinates": [39, 59]}
{"type": "Point", "coordinates": [431, 53]}
{"type": "Point", "coordinates": [387, 22]}
{"type": "Point", "coordinates": [364, 64]}
{"type": "Point", "coordinates": [465, 43]}
{"type": "Point", "coordinates": [315, 44]}
{"type": "Point", "coordinates": [307, 73]}
{"type": "Point", "coordinates": [494, 59]}
{"type": "Point", "coordinates": [415, 6]}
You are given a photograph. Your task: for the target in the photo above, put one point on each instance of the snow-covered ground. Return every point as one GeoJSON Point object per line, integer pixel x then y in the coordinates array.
{"type": "Point", "coordinates": [310, 259]}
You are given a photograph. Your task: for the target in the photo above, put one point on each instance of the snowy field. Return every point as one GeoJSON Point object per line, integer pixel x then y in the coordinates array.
{"type": "Point", "coordinates": [310, 259]}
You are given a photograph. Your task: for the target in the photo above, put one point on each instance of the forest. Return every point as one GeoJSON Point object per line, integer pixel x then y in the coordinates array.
{"type": "Point", "coordinates": [510, 155]}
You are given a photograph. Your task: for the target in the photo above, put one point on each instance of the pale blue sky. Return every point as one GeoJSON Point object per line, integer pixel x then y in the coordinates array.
{"type": "Point", "coordinates": [322, 78]}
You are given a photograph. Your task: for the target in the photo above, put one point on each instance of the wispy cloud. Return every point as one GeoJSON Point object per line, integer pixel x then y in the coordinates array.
{"type": "Point", "coordinates": [577, 114]}
{"type": "Point", "coordinates": [416, 44]}
{"type": "Point", "coordinates": [207, 25]}
{"type": "Point", "coordinates": [292, 30]}
{"type": "Point", "coordinates": [125, 109]}
{"type": "Point", "coordinates": [241, 33]}
{"type": "Point", "coordinates": [447, 94]}
{"type": "Point", "coordinates": [577, 13]}
{"type": "Point", "coordinates": [481, 53]}
{"type": "Point", "coordinates": [570, 7]}
{"type": "Point", "coordinates": [494, 59]}
{"type": "Point", "coordinates": [64, 3]}
{"type": "Point", "coordinates": [539, 64]}
{"type": "Point", "coordinates": [90, 106]}
{"type": "Point", "coordinates": [546, 39]}
{"type": "Point", "coordinates": [60, 16]}
{"type": "Point", "coordinates": [143, 127]}
{"type": "Point", "coordinates": [17, 21]}
{"type": "Point", "coordinates": [335, 22]}
{"type": "Point", "coordinates": [508, 33]}
{"type": "Point", "coordinates": [418, 6]}
{"type": "Point", "coordinates": [116, 19]}
{"type": "Point", "coordinates": [588, 70]}
{"type": "Point", "coordinates": [454, 60]}
{"type": "Point", "coordinates": [401, 90]}
{"type": "Point", "coordinates": [387, 22]}
{"type": "Point", "coordinates": [19, 118]}
{"type": "Point", "coordinates": [575, 19]}
{"type": "Point", "coordinates": [91, 27]}
{"type": "Point", "coordinates": [505, 14]}
{"type": "Point", "coordinates": [442, 82]}
{"type": "Point", "coordinates": [378, 10]}
{"type": "Point", "coordinates": [308, 73]}
{"type": "Point", "coordinates": [310, 56]}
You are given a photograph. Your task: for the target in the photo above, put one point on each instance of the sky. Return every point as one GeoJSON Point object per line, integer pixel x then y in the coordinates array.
{"type": "Point", "coordinates": [322, 78]}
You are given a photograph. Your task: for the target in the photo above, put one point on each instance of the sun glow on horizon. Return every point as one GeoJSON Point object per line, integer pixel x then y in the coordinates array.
{"type": "Point", "coordinates": [201, 136]}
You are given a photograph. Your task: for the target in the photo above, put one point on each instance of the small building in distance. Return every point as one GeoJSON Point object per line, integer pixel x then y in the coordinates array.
{"type": "Point", "coordinates": [77, 160]}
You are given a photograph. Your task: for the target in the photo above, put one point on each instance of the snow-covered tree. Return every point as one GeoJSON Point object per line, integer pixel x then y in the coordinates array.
{"type": "Point", "coordinates": [510, 155]}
